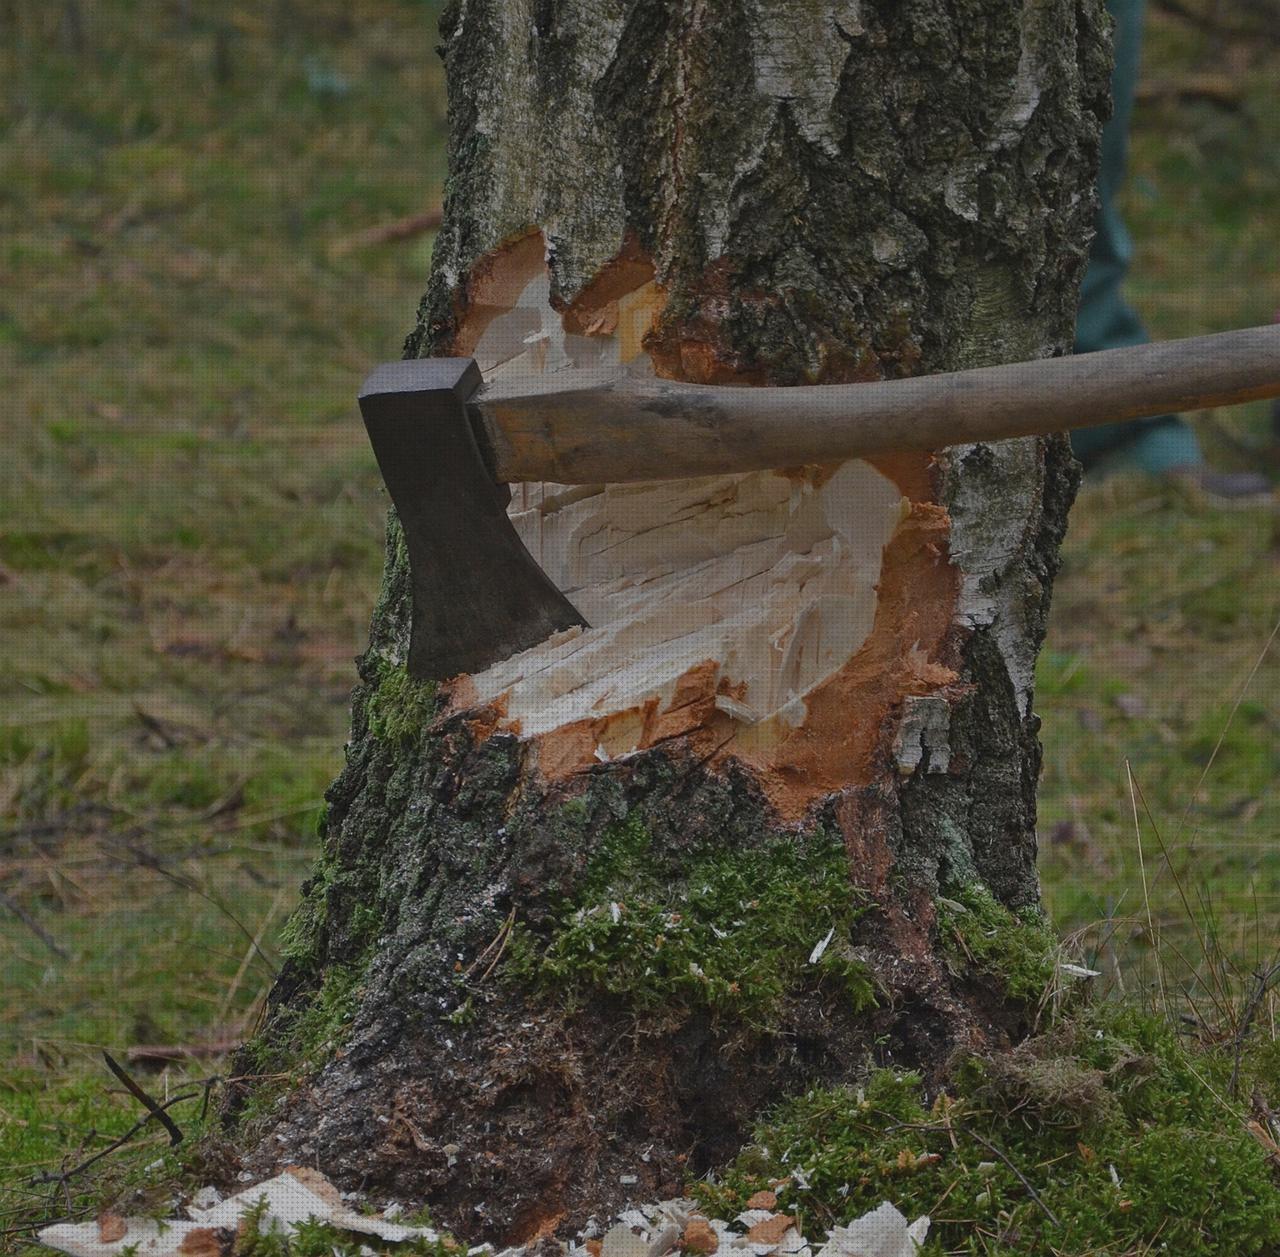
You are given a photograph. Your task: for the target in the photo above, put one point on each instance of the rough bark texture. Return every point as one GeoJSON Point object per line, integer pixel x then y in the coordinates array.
{"type": "Point", "coordinates": [823, 190]}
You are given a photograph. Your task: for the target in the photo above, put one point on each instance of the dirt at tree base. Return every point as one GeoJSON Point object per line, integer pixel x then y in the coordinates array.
{"type": "Point", "coordinates": [531, 1130]}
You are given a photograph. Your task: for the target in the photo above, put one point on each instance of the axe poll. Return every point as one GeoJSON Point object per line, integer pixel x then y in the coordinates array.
{"type": "Point", "coordinates": [448, 445]}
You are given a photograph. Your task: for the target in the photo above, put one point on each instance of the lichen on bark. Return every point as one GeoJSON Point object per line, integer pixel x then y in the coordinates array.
{"type": "Point", "coordinates": [840, 190]}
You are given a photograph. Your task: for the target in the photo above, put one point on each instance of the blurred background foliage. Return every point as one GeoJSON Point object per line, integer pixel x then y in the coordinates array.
{"type": "Point", "coordinates": [203, 247]}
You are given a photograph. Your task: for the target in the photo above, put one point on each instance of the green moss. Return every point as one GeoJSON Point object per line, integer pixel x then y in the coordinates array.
{"type": "Point", "coordinates": [465, 1014]}
{"type": "Point", "coordinates": [300, 935]}
{"type": "Point", "coordinates": [980, 935]}
{"type": "Point", "coordinates": [302, 1039]}
{"type": "Point", "coordinates": [321, 1026]}
{"type": "Point", "coordinates": [1117, 1126]}
{"type": "Point", "coordinates": [731, 931]}
{"type": "Point", "coordinates": [322, 1239]}
{"type": "Point", "coordinates": [400, 707]}
{"type": "Point", "coordinates": [304, 936]}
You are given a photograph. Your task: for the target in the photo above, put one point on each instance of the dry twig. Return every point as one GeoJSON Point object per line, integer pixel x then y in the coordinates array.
{"type": "Point", "coordinates": [34, 926]}
{"type": "Point", "coordinates": [156, 1110]}
{"type": "Point", "coordinates": [63, 1176]}
{"type": "Point", "coordinates": [1018, 1174]}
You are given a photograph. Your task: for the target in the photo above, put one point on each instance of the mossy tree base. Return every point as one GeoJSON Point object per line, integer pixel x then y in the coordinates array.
{"type": "Point", "coordinates": [542, 970]}
{"type": "Point", "coordinates": [559, 1003]}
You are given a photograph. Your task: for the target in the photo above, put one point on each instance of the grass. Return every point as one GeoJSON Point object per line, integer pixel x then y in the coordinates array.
{"type": "Point", "coordinates": [1166, 602]}
{"type": "Point", "coordinates": [190, 518]}
{"type": "Point", "coordinates": [1164, 610]}
{"type": "Point", "coordinates": [191, 533]}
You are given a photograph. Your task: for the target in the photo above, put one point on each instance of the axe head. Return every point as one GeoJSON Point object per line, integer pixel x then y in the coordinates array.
{"type": "Point", "coordinates": [478, 595]}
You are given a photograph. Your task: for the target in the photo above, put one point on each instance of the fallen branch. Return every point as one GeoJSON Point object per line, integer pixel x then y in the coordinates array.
{"type": "Point", "coordinates": [155, 1109]}
{"type": "Point", "coordinates": [162, 1053]}
{"type": "Point", "coordinates": [1215, 89]}
{"type": "Point", "coordinates": [387, 233]}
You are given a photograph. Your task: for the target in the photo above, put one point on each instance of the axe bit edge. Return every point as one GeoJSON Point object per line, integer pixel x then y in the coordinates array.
{"type": "Point", "coordinates": [477, 594]}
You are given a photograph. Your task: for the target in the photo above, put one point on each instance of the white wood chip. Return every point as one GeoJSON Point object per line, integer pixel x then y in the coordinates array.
{"type": "Point", "coordinates": [299, 1195]}
{"type": "Point", "coordinates": [883, 1232]}
{"type": "Point", "coordinates": [821, 946]}
{"type": "Point", "coordinates": [622, 1241]}
{"type": "Point", "coordinates": [146, 1236]}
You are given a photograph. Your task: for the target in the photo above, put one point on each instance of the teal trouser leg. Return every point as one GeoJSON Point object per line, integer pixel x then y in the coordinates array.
{"type": "Point", "coordinates": [1106, 320]}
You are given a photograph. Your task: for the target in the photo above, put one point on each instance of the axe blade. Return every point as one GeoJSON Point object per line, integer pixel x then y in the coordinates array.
{"type": "Point", "coordinates": [478, 596]}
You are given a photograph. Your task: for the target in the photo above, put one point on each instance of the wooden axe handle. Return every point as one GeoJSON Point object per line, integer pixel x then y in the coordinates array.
{"type": "Point", "coordinates": [596, 427]}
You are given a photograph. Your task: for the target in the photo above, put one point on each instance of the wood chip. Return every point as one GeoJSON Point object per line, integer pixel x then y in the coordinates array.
{"type": "Point", "coordinates": [387, 233]}
{"type": "Point", "coordinates": [147, 1236]}
{"type": "Point", "coordinates": [202, 1243]}
{"type": "Point", "coordinates": [772, 1230]}
{"type": "Point", "coordinates": [111, 1227]}
{"type": "Point", "coordinates": [699, 1237]}
{"type": "Point", "coordinates": [622, 1241]}
{"type": "Point", "coordinates": [763, 1200]}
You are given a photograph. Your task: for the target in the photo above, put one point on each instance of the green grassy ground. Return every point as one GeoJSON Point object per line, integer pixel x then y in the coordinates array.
{"type": "Point", "coordinates": [1167, 601]}
{"type": "Point", "coordinates": [190, 534]}
{"type": "Point", "coordinates": [190, 519]}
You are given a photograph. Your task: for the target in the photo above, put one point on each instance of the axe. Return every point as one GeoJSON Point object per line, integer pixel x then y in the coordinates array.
{"type": "Point", "coordinates": [448, 446]}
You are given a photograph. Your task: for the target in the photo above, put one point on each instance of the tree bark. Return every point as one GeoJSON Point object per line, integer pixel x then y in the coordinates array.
{"type": "Point", "coordinates": [566, 938]}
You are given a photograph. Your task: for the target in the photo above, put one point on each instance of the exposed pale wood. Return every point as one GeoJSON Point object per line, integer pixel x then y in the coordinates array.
{"type": "Point", "coordinates": [771, 579]}
{"type": "Point", "coordinates": [718, 605]}
{"type": "Point", "coordinates": [599, 425]}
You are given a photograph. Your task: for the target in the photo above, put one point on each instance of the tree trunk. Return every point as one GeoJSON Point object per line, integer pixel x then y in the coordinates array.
{"type": "Point", "coordinates": [582, 915]}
